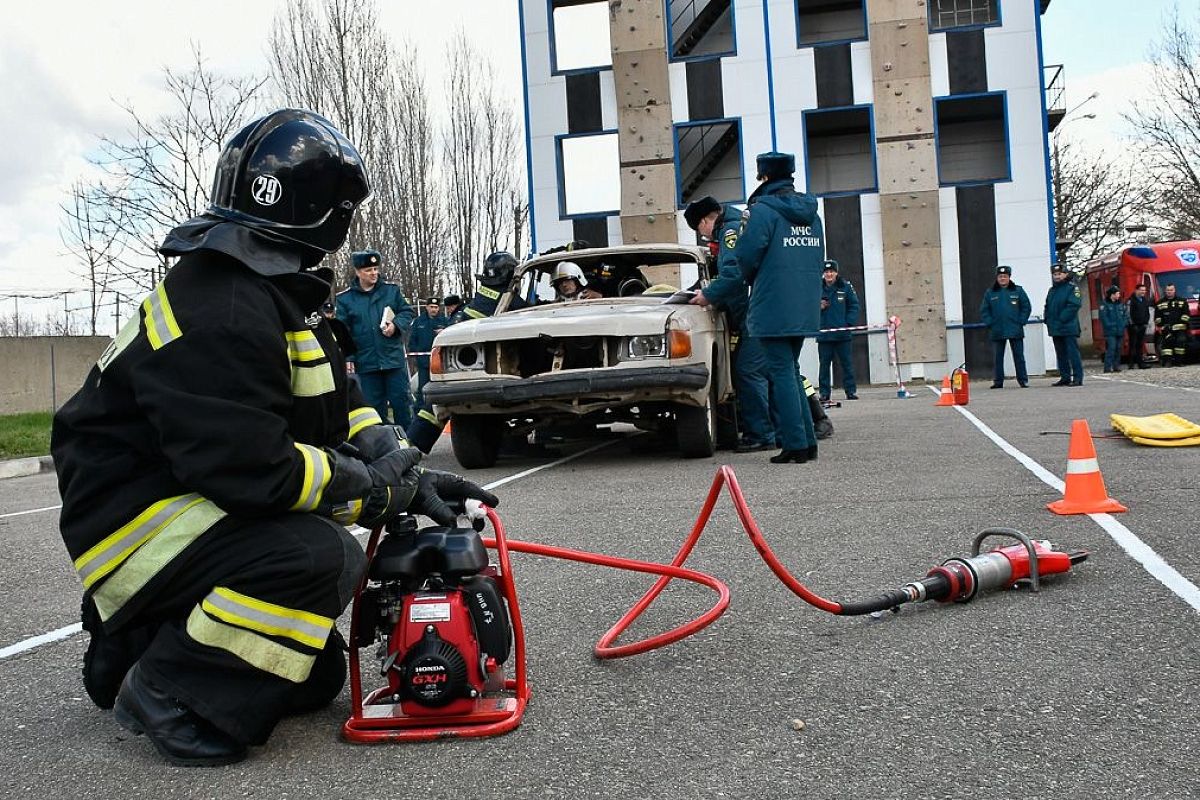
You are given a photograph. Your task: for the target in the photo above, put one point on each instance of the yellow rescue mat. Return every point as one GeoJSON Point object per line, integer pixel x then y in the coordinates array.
{"type": "Point", "coordinates": [1160, 430]}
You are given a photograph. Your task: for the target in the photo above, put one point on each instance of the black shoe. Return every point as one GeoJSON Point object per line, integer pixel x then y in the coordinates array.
{"type": "Point", "coordinates": [1107, 369]}
{"type": "Point", "coordinates": [1075, 383]}
{"type": "Point", "coordinates": [109, 655]}
{"type": "Point", "coordinates": [851, 396]}
{"type": "Point", "coordinates": [996, 386]}
{"type": "Point", "coordinates": [1024, 384]}
{"type": "Point", "coordinates": [794, 456]}
{"type": "Point", "coordinates": [1061, 383]}
{"type": "Point", "coordinates": [1116, 369]}
{"type": "Point", "coordinates": [812, 453]}
{"type": "Point", "coordinates": [753, 447]}
{"type": "Point", "coordinates": [824, 428]}
{"type": "Point", "coordinates": [179, 734]}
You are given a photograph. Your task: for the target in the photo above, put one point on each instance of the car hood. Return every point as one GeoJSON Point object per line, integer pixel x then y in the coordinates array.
{"type": "Point", "coordinates": [584, 318]}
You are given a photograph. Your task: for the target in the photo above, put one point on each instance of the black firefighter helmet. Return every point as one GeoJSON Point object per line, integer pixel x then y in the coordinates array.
{"type": "Point", "coordinates": [291, 175]}
{"type": "Point", "coordinates": [497, 269]}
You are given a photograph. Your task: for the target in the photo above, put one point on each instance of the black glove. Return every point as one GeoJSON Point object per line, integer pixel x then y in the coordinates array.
{"type": "Point", "coordinates": [394, 481]}
{"type": "Point", "coordinates": [376, 441]}
{"type": "Point", "coordinates": [436, 487]}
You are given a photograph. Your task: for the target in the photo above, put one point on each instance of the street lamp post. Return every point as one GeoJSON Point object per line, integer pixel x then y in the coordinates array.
{"type": "Point", "coordinates": [1059, 196]}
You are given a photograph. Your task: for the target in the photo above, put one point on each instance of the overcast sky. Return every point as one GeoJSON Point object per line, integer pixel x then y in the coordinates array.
{"type": "Point", "coordinates": [64, 65]}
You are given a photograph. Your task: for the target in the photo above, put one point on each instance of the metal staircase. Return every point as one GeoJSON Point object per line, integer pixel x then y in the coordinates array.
{"type": "Point", "coordinates": [691, 20]}
{"type": "Point", "coordinates": [701, 149]}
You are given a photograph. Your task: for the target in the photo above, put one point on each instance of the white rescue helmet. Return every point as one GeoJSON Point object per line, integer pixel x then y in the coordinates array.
{"type": "Point", "coordinates": [568, 269]}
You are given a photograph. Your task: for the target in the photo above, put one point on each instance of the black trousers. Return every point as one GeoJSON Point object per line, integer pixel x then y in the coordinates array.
{"type": "Point", "coordinates": [1137, 345]}
{"type": "Point", "coordinates": [243, 630]}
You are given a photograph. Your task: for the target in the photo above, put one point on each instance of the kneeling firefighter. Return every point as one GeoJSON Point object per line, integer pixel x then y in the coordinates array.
{"type": "Point", "coordinates": [494, 279]}
{"type": "Point", "coordinates": [213, 453]}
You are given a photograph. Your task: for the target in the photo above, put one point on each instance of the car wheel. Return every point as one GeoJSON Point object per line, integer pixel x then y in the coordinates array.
{"type": "Point", "coordinates": [476, 440]}
{"type": "Point", "coordinates": [696, 428]}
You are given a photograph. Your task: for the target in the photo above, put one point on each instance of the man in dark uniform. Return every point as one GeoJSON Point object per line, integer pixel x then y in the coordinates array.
{"type": "Point", "coordinates": [1171, 316]}
{"type": "Point", "coordinates": [378, 316]}
{"type": "Point", "coordinates": [1062, 323]}
{"type": "Point", "coordinates": [494, 278]}
{"type": "Point", "coordinates": [1139, 320]}
{"type": "Point", "coordinates": [839, 309]}
{"type": "Point", "coordinates": [1005, 309]}
{"type": "Point", "coordinates": [424, 330]}
{"type": "Point", "coordinates": [204, 464]}
{"type": "Point", "coordinates": [720, 228]}
{"type": "Point", "coordinates": [781, 252]}
{"type": "Point", "coordinates": [452, 308]}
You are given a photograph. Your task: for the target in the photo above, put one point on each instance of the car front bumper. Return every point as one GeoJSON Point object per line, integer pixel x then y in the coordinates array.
{"type": "Point", "coordinates": [566, 386]}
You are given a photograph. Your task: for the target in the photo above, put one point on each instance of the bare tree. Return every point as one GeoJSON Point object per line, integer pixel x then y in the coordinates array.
{"type": "Point", "coordinates": [1095, 198]}
{"type": "Point", "coordinates": [151, 179]}
{"type": "Point", "coordinates": [480, 148]}
{"type": "Point", "coordinates": [1168, 130]}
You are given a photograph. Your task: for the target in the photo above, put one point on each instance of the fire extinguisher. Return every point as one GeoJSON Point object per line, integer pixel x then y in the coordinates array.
{"type": "Point", "coordinates": [960, 385]}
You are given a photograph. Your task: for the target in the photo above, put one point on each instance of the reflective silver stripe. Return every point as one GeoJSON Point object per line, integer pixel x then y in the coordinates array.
{"type": "Point", "coordinates": [155, 554]}
{"type": "Point", "coordinates": [1082, 466]}
{"type": "Point", "coordinates": [303, 346]}
{"type": "Point", "coordinates": [108, 554]}
{"type": "Point", "coordinates": [266, 655]}
{"type": "Point", "coordinates": [274, 620]}
{"type": "Point", "coordinates": [161, 327]}
{"type": "Point", "coordinates": [312, 380]}
{"type": "Point", "coordinates": [363, 418]}
{"type": "Point", "coordinates": [317, 473]}
{"type": "Point", "coordinates": [347, 513]}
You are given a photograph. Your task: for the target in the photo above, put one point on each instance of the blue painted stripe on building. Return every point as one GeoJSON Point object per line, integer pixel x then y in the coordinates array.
{"type": "Point", "coordinates": [528, 137]}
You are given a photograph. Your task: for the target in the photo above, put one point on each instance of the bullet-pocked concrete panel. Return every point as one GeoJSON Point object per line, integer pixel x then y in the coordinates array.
{"type": "Point", "coordinates": [897, 10]}
{"type": "Point", "coordinates": [899, 52]}
{"type": "Point", "coordinates": [643, 228]}
{"type": "Point", "coordinates": [636, 25]}
{"type": "Point", "coordinates": [645, 134]}
{"type": "Point", "coordinates": [907, 166]}
{"type": "Point", "coordinates": [903, 107]}
{"type": "Point", "coordinates": [648, 189]}
{"type": "Point", "coordinates": [641, 79]}
{"type": "Point", "coordinates": [910, 220]}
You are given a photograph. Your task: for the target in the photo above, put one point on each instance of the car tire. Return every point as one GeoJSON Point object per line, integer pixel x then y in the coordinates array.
{"type": "Point", "coordinates": [696, 428]}
{"type": "Point", "coordinates": [476, 440]}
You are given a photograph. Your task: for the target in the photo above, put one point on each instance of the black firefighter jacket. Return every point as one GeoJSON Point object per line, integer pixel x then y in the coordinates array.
{"type": "Point", "coordinates": [215, 399]}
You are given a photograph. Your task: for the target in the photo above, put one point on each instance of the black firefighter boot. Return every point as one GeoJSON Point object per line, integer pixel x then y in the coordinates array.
{"type": "Point", "coordinates": [821, 422]}
{"type": "Point", "coordinates": [109, 655]}
{"type": "Point", "coordinates": [179, 734]}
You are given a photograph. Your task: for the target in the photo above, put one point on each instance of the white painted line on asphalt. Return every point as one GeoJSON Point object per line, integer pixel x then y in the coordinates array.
{"type": "Point", "coordinates": [71, 630]}
{"type": "Point", "coordinates": [30, 511]}
{"type": "Point", "coordinates": [1138, 550]}
{"type": "Point", "coordinates": [36, 641]}
{"type": "Point", "coordinates": [1144, 383]}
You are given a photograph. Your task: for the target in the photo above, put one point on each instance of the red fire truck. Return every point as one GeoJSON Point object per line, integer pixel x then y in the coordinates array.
{"type": "Point", "coordinates": [1154, 265]}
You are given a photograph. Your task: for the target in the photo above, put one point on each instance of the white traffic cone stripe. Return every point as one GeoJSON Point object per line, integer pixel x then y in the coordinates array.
{"type": "Point", "coordinates": [1079, 466]}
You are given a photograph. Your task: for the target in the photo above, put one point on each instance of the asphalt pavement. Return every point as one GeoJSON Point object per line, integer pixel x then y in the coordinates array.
{"type": "Point", "coordinates": [1087, 689]}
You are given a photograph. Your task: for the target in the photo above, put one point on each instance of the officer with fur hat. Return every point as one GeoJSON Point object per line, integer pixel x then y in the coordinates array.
{"type": "Point", "coordinates": [839, 309]}
{"type": "Point", "coordinates": [1005, 309]}
{"type": "Point", "coordinates": [213, 455]}
{"type": "Point", "coordinates": [379, 318]}
{"type": "Point", "coordinates": [719, 228]}
{"type": "Point", "coordinates": [781, 252]}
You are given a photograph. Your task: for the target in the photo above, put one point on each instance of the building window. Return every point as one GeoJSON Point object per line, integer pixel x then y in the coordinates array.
{"type": "Point", "coordinates": [972, 139]}
{"type": "Point", "coordinates": [589, 175]}
{"type": "Point", "coordinates": [839, 151]}
{"type": "Point", "coordinates": [708, 161]}
{"type": "Point", "coordinates": [826, 21]}
{"type": "Point", "coordinates": [946, 14]}
{"type": "Point", "coordinates": [579, 37]}
{"type": "Point", "coordinates": [700, 28]}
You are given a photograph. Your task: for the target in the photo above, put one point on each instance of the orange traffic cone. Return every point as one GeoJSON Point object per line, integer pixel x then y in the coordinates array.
{"type": "Point", "coordinates": [946, 396]}
{"type": "Point", "coordinates": [1085, 492]}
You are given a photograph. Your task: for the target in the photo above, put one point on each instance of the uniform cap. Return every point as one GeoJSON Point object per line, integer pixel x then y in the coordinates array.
{"type": "Point", "coordinates": [699, 209]}
{"type": "Point", "coordinates": [433, 301]}
{"type": "Point", "coordinates": [774, 165]}
{"type": "Point", "coordinates": [1004, 269]}
{"type": "Point", "coordinates": [452, 300]}
{"type": "Point", "coordinates": [830, 264]}
{"type": "Point", "coordinates": [365, 258]}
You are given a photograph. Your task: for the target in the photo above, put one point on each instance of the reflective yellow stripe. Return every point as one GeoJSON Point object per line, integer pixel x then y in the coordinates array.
{"type": "Point", "coordinates": [161, 327]}
{"type": "Point", "coordinates": [303, 346]}
{"type": "Point", "coordinates": [274, 620]}
{"type": "Point", "coordinates": [428, 416]}
{"type": "Point", "coordinates": [348, 513]}
{"type": "Point", "coordinates": [363, 418]}
{"type": "Point", "coordinates": [311, 381]}
{"type": "Point", "coordinates": [125, 337]}
{"type": "Point", "coordinates": [490, 294]}
{"type": "Point", "coordinates": [264, 654]}
{"type": "Point", "coordinates": [109, 553]}
{"type": "Point", "coordinates": [475, 314]}
{"type": "Point", "coordinates": [317, 473]}
{"type": "Point", "coordinates": [150, 558]}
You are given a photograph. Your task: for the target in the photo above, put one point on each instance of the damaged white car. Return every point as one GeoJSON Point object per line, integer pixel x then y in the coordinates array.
{"type": "Point", "coordinates": [638, 354]}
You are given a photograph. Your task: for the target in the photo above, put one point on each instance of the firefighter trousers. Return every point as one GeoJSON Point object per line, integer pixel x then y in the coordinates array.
{"type": "Point", "coordinates": [244, 632]}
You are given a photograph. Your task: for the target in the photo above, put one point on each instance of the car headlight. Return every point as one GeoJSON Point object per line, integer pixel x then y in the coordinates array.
{"type": "Point", "coordinates": [456, 359]}
{"type": "Point", "coordinates": [650, 346]}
